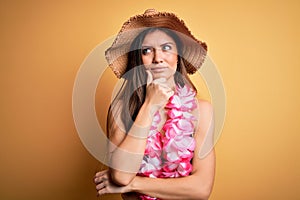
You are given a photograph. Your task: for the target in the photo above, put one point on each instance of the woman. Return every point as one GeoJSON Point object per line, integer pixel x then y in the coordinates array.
{"type": "Point", "coordinates": [156, 125]}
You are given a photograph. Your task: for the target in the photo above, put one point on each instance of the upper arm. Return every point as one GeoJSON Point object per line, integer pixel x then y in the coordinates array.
{"type": "Point", "coordinates": [115, 130]}
{"type": "Point", "coordinates": [204, 155]}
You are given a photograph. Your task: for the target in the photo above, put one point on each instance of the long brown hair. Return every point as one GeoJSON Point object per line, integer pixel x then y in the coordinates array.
{"type": "Point", "coordinates": [131, 95]}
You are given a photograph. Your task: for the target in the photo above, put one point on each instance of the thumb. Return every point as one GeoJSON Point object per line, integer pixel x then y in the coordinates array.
{"type": "Point", "coordinates": [149, 77]}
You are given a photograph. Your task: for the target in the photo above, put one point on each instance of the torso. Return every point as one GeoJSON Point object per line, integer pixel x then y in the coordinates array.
{"type": "Point", "coordinates": [170, 142]}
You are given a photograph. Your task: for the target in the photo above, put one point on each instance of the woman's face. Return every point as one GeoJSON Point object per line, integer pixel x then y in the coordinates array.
{"type": "Point", "coordinates": [159, 54]}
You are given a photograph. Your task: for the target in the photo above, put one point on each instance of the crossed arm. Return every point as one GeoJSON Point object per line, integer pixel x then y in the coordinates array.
{"type": "Point", "coordinates": [198, 185]}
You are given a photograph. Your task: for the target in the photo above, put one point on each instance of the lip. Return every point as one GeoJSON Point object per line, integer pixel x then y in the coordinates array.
{"type": "Point", "coordinates": [158, 69]}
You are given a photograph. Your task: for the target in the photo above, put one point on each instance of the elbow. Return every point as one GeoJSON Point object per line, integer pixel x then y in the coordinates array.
{"type": "Point", "coordinates": [204, 193]}
{"type": "Point", "coordinates": [121, 178]}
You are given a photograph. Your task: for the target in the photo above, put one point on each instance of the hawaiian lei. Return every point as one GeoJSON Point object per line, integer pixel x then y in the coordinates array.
{"type": "Point", "coordinates": [170, 155]}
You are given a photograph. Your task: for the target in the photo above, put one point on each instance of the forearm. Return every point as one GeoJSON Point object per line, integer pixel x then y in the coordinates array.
{"type": "Point", "coordinates": [190, 187]}
{"type": "Point", "coordinates": [125, 160]}
{"type": "Point", "coordinates": [198, 185]}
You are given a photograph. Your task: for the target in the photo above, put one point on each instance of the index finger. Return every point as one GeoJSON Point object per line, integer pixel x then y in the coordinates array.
{"type": "Point", "coordinates": [101, 173]}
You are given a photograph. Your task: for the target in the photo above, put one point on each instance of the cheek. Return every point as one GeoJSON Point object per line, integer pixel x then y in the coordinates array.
{"type": "Point", "coordinates": [146, 60]}
{"type": "Point", "coordinates": [173, 61]}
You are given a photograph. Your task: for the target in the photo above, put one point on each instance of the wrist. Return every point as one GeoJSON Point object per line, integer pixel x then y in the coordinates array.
{"type": "Point", "coordinates": [150, 108]}
{"type": "Point", "coordinates": [127, 189]}
{"type": "Point", "coordinates": [141, 126]}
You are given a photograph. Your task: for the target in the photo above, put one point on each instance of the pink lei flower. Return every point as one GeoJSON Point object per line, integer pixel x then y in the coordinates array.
{"type": "Point", "coordinates": [170, 155]}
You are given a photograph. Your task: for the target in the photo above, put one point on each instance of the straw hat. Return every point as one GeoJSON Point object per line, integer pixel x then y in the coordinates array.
{"type": "Point", "coordinates": [193, 52]}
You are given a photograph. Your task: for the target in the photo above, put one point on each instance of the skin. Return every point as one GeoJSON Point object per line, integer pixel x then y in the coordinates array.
{"type": "Point", "coordinates": [159, 55]}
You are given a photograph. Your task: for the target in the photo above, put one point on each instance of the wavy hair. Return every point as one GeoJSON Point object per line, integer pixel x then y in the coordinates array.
{"type": "Point", "coordinates": [131, 96]}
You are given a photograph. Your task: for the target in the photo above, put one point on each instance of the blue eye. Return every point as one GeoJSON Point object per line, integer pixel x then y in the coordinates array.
{"type": "Point", "coordinates": [166, 47]}
{"type": "Point", "coordinates": [146, 51]}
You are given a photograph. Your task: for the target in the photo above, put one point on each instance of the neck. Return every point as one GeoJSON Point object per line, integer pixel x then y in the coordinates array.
{"type": "Point", "coordinates": [171, 83]}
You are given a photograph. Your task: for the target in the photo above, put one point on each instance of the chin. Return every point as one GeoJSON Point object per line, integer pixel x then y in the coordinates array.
{"type": "Point", "coordinates": [162, 76]}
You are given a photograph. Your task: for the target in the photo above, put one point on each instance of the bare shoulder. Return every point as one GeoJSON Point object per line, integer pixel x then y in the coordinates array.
{"type": "Point", "coordinates": [204, 103]}
{"type": "Point", "coordinates": [204, 107]}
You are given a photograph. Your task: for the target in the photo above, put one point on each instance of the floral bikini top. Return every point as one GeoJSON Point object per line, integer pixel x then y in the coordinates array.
{"type": "Point", "coordinates": [170, 155]}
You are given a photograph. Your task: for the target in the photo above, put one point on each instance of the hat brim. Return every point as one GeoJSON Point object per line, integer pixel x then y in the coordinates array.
{"type": "Point", "coordinates": [193, 51]}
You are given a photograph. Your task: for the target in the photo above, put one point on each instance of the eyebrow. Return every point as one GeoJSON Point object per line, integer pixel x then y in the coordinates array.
{"type": "Point", "coordinates": [172, 43]}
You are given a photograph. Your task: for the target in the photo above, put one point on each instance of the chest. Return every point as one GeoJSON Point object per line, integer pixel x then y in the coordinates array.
{"type": "Point", "coordinates": [184, 124]}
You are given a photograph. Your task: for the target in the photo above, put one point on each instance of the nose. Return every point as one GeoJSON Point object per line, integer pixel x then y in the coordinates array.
{"type": "Point", "coordinates": [158, 56]}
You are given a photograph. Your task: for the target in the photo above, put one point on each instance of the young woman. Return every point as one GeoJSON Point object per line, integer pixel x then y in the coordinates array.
{"type": "Point", "coordinates": [156, 125]}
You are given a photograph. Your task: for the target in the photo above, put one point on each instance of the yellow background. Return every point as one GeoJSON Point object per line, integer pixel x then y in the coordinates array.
{"type": "Point", "coordinates": [255, 44]}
